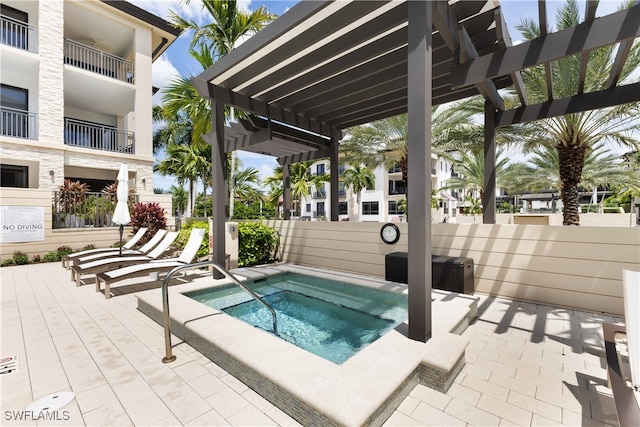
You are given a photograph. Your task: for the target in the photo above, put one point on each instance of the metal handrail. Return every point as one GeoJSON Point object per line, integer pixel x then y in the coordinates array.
{"type": "Point", "coordinates": [165, 301]}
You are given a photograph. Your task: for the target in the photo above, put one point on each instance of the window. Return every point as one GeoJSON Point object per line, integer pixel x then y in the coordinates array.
{"type": "Point", "coordinates": [14, 176]}
{"type": "Point", "coordinates": [395, 169]}
{"type": "Point", "coordinates": [342, 191]}
{"type": "Point", "coordinates": [14, 97]}
{"type": "Point", "coordinates": [14, 31]}
{"type": "Point", "coordinates": [397, 187]}
{"type": "Point", "coordinates": [370, 208]}
{"type": "Point", "coordinates": [308, 207]}
{"type": "Point", "coordinates": [320, 210]}
{"type": "Point", "coordinates": [320, 169]}
{"type": "Point", "coordinates": [14, 105]}
{"type": "Point", "coordinates": [394, 209]}
{"type": "Point", "coordinates": [320, 193]}
{"type": "Point", "coordinates": [342, 208]}
{"type": "Point", "coordinates": [341, 168]}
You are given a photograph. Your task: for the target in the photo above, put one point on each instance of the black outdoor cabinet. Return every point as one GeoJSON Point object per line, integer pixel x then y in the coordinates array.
{"type": "Point", "coordinates": [448, 273]}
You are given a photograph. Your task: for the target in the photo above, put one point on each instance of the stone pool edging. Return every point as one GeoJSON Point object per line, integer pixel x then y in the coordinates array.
{"type": "Point", "coordinates": [365, 390]}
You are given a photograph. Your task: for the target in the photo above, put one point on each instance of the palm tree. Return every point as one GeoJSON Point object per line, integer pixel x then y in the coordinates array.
{"type": "Point", "coordinates": [385, 142]}
{"type": "Point", "coordinates": [181, 100]}
{"type": "Point", "coordinates": [228, 25]}
{"type": "Point", "coordinates": [178, 199]}
{"type": "Point", "coordinates": [574, 135]}
{"type": "Point", "coordinates": [542, 171]}
{"type": "Point", "coordinates": [187, 163]}
{"type": "Point", "coordinates": [243, 184]}
{"type": "Point", "coordinates": [358, 177]}
{"type": "Point", "coordinates": [470, 169]}
{"type": "Point", "coordinates": [303, 183]}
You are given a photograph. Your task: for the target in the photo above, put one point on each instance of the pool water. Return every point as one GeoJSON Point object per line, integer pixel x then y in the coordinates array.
{"type": "Point", "coordinates": [328, 318]}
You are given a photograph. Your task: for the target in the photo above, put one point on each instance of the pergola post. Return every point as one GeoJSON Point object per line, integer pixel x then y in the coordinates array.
{"type": "Point", "coordinates": [286, 191]}
{"type": "Point", "coordinates": [219, 174]}
{"type": "Point", "coordinates": [419, 186]}
{"type": "Point", "coordinates": [333, 185]}
{"type": "Point", "coordinates": [489, 197]}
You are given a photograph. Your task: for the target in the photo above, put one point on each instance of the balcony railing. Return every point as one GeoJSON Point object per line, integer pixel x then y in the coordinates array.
{"type": "Point", "coordinates": [18, 34]}
{"type": "Point", "coordinates": [320, 194]}
{"type": "Point", "coordinates": [97, 61]}
{"type": "Point", "coordinates": [319, 214]}
{"type": "Point", "coordinates": [18, 123]}
{"type": "Point", "coordinates": [98, 137]}
{"type": "Point", "coordinates": [84, 209]}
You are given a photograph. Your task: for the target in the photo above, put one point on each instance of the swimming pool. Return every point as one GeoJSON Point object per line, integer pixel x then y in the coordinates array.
{"type": "Point", "coordinates": [364, 390]}
{"type": "Point", "coordinates": [329, 318]}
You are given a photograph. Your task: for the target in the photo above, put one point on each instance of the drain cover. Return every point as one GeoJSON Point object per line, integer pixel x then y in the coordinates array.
{"type": "Point", "coordinates": [8, 365]}
{"type": "Point", "coordinates": [52, 402]}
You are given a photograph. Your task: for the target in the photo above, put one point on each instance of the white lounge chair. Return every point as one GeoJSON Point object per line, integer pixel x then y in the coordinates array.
{"type": "Point", "coordinates": [623, 364]}
{"type": "Point", "coordinates": [143, 250]}
{"type": "Point", "coordinates": [119, 261]}
{"type": "Point", "coordinates": [158, 266]}
{"type": "Point", "coordinates": [67, 259]}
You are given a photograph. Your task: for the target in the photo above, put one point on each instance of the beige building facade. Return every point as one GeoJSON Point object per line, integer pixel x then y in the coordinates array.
{"type": "Point", "coordinates": [76, 99]}
{"type": "Point", "coordinates": [76, 92]}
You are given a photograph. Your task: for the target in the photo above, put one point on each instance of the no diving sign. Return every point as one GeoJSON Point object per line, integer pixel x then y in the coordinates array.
{"type": "Point", "coordinates": [21, 224]}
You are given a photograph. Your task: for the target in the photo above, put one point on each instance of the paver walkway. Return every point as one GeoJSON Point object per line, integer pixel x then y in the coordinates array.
{"type": "Point", "coordinates": [527, 365]}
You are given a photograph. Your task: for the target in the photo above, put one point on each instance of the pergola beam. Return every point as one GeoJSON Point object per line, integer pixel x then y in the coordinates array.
{"type": "Point", "coordinates": [260, 108]}
{"type": "Point", "coordinates": [542, 18]}
{"type": "Point", "coordinates": [486, 87]}
{"type": "Point", "coordinates": [321, 153]}
{"type": "Point", "coordinates": [589, 15]}
{"type": "Point", "coordinates": [554, 46]}
{"type": "Point", "coordinates": [504, 40]}
{"type": "Point", "coordinates": [621, 57]}
{"type": "Point", "coordinates": [456, 37]}
{"type": "Point", "coordinates": [573, 104]}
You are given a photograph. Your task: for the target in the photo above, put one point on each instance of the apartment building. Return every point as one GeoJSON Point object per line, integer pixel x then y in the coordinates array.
{"type": "Point", "coordinates": [382, 202]}
{"type": "Point", "coordinates": [76, 92]}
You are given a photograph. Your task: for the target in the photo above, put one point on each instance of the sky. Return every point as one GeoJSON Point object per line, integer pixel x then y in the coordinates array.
{"type": "Point", "coordinates": [176, 61]}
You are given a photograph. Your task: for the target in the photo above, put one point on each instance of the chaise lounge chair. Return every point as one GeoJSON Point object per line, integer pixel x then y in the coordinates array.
{"type": "Point", "coordinates": [158, 266]}
{"type": "Point", "coordinates": [143, 250]}
{"type": "Point", "coordinates": [120, 261]}
{"type": "Point", "coordinates": [623, 364]}
{"type": "Point", "coordinates": [67, 259]}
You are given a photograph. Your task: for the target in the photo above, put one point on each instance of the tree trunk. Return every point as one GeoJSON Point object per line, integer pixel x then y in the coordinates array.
{"type": "Point", "coordinates": [571, 163]}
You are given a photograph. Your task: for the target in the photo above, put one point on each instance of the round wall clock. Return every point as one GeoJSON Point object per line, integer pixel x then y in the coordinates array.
{"type": "Point", "coordinates": [390, 233]}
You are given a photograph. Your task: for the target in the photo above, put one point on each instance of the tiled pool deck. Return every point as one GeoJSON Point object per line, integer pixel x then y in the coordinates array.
{"type": "Point", "coordinates": [527, 364]}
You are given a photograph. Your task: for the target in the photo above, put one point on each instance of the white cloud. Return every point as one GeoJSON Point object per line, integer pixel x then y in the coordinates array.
{"type": "Point", "coordinates": [161, 8]}
{"type": "Point", "coordinates": [163, 72]}
{"type": "Point", "coordinates": [244, 5]}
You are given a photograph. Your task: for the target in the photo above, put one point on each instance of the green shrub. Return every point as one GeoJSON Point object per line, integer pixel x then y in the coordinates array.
{"type": "Point", "coordinates": [53, 256]}
{"type": "Point", "coordinates": [89, 247]}
{"type": "Point", "coordinates": [185, 232]}
{"type": "Point", "coordinates": [64, 250]}
{"type": "Point", "coordinates": [7, 261]}
{"type": "Point", "coordinates": [20, 258]}
{"type": "Point", "coordinates": [256, 244]}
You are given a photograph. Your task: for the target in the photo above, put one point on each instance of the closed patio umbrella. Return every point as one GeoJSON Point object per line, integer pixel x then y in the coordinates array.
{"type": "Point", "coordinates": [121, 215]}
